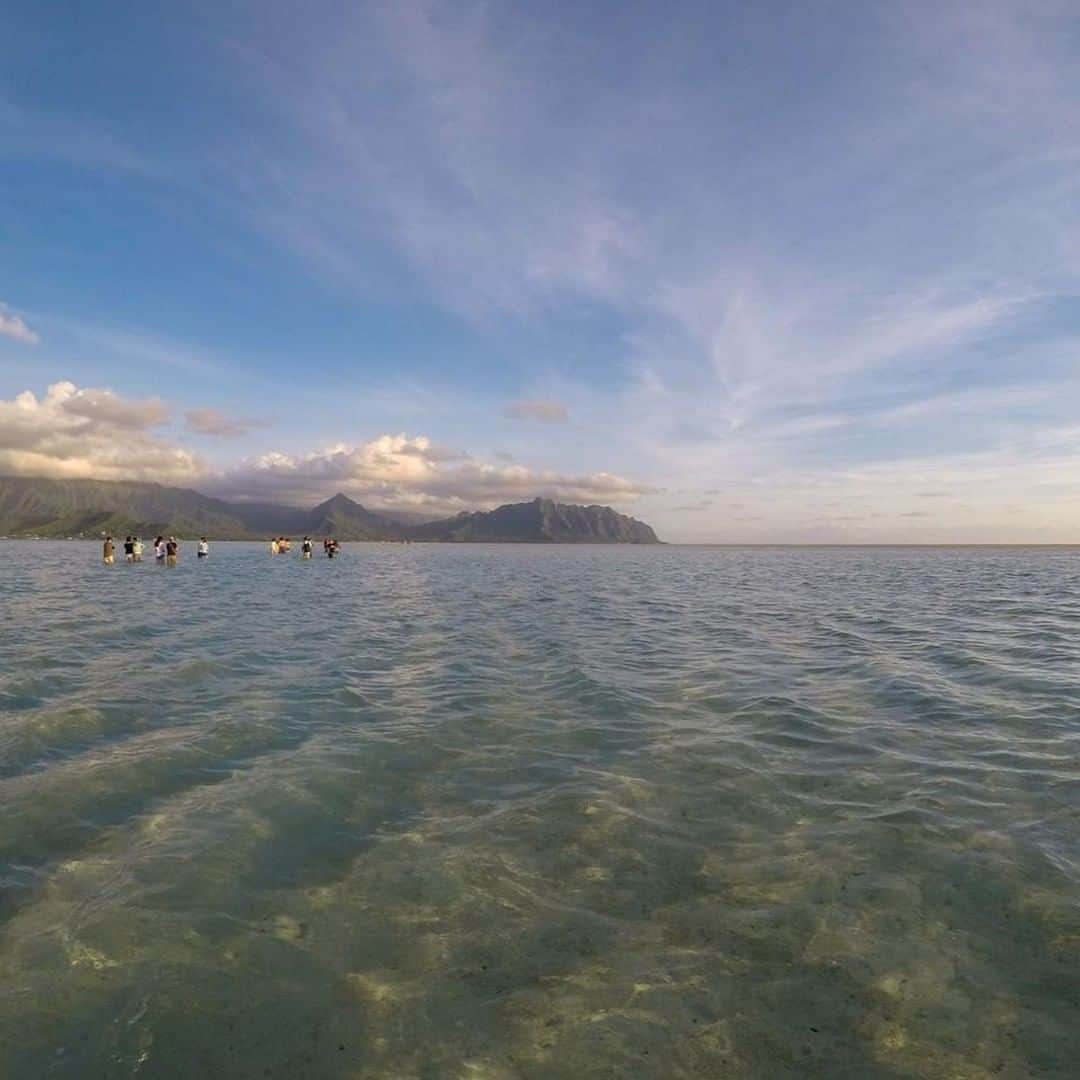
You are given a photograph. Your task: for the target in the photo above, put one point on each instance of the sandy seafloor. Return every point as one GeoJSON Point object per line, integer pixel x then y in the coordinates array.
{"type": "Point", "coordinates": [498, 811]}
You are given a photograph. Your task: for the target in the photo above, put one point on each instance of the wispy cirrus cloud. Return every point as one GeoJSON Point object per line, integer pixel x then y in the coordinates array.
{"type": "Point", "coordinates": [143, 347]}
{"type": "Point", "coordinates": [547, 412]}
{"type": "Point", "coordinates": [950, 497]}
{"type": "Point", "coordinates": [453, 189]}
{"type": "Point", "coordinates": [14, 327]}
{"type": "Point", "coordinates": [448, 182]}
{"type": "Point", "coordinates": [50, 135]}
{"type": "Point", "coordinates": [215, 423]}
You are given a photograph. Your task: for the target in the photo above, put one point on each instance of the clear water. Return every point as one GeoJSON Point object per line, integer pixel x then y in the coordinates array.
{"type": "Point", "coordinates": [494, 812]}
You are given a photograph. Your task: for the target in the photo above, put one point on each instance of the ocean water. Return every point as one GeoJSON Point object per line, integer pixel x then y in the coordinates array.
{"type": "Point", "coordinates": [487, 812]}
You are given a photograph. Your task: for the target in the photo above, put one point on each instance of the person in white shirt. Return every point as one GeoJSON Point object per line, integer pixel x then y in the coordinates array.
{"type": "Point", "coordinates": [204, 548]}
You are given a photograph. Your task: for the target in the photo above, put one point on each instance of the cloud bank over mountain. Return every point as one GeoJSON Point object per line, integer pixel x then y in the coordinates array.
{"type": "Point", "coordinates": [411, 473]}
{"type": "Point", "coordinates": [93, 433]}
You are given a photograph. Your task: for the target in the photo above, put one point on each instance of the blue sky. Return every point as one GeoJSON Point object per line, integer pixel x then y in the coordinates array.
{"type": "Point", "coordinates": [775, 272]}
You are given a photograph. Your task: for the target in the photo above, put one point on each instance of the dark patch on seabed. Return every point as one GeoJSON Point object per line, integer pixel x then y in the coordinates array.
{"type": "Point", "coordinates": [493, 813]}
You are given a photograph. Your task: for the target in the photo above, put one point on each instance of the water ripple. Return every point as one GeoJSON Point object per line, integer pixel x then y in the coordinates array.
{"type": "Point", "coordinates": [541, 812]}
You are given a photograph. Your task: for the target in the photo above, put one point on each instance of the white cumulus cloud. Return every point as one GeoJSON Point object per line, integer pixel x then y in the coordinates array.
{"type": "Point", "coordinates": [90, 433]}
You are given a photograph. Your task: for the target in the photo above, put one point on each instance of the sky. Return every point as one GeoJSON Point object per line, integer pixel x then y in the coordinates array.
{"type": "Point", "coordinates": [782, 272]}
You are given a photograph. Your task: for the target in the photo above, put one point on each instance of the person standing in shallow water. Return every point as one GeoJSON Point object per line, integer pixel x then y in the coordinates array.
{"type": "Point", "coordinates": [204, 549]}
{"type": "Point", "coordinates": [136, 549]}
{"type": "Point", "coordinates": [172, 549]}
{"type": "Point", "coordinates": [159, 551]}
{"type": "Point", "coordinates": [129, 549]}
{"type": "Point", "coordinates": [306, 548]}
{"type": "Point", "coordinates": [108, 551]}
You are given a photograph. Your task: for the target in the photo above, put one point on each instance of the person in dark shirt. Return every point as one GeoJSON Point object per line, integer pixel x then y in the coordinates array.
{"type": "Point", "coordinates": [172, 549]}
{"type": "Point", "coordinates": [108, 551]}
{"type": "Point", "coordinates": [129, 548]}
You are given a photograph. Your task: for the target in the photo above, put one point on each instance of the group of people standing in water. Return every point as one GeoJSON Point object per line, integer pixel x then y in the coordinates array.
{"type": "Point", "coordinates": [166, 551]}
{"type": "Point", "coordinates": [282, 545]}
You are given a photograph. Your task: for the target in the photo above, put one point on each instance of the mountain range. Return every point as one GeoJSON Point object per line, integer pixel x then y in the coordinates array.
{"type": "Point", "coordinates": [30, 506]}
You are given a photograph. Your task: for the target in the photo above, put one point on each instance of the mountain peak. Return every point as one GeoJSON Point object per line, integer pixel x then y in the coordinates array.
{"type": "Point", "coordinates": [340, 501]}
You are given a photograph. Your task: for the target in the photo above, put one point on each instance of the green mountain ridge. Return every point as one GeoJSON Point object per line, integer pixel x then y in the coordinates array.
{"type": "Point", "coordinates": [542, 521]}
{"type": "Point", "coordinates": [31, 506]}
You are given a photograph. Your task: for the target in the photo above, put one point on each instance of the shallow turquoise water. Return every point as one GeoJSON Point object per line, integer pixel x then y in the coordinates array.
{"type": "Point", "coordinates": [493, 812]}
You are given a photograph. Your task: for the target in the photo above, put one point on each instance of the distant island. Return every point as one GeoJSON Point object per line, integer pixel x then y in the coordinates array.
{"type": "Point", "coordinates": [33, 507]}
